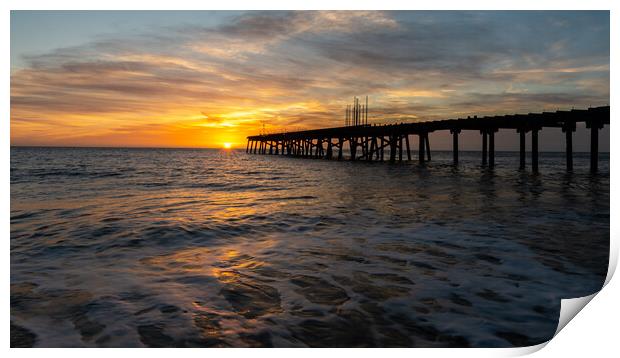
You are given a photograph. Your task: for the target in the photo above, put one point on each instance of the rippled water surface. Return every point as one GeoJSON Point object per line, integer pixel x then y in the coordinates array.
{"type": "Point", "coordinates": [207, 248]}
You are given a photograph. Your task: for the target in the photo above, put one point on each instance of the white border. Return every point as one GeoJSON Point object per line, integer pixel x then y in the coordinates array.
{"type": "Point", "coordinates": [594, 329]}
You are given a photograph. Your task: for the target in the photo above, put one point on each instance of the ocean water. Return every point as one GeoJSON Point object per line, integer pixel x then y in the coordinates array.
{"type": "Point", "coordinates": [210, 248]}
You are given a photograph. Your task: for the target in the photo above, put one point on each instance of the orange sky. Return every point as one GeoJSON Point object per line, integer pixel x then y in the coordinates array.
{"type": "Point", "coordinates": [206, 83]}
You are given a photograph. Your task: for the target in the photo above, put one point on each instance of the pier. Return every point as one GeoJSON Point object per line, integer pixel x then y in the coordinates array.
{"type": "Point", "coordinates": [390, 142]}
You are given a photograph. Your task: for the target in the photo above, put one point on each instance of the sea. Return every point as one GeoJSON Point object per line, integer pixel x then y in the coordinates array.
{"type": "Point", "coordinates": [119, 247]}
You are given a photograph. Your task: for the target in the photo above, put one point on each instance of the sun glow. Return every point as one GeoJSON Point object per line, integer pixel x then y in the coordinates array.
{"type": "Point", "coordinates": [227, 145]}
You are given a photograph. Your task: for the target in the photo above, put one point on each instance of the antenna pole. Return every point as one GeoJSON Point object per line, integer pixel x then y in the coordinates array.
{"type": "Point", "coordinates": [366, 109]}
{"type": "Point", "coordinates": [353, 106]}
{"type": "Point", "coordinates": [357, 111]}
{"type": "Point", "coordinates": [348, 114]}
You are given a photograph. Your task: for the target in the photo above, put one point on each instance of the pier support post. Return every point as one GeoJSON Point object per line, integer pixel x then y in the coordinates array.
{"type": "Point", "coordinates": [353, 145]}
{"type": "Point", "coordinates": [427, 144]}
{"type": "Point", "coordinates": [392, 148]}
{"type": "Point", "coordinates": [340, 148]}
{"type": "Point", "coordinates": [492, 147]}
{"type": "Point", "coordinates": [382, 146]}
{"type": "Point", "coordinates": [370, 152]}
{"type": "Point", "coordinates": [484, 147]}
{"type": "Point", "coordinates": [247, 146]}
{"type": "Point", "coordinates": [568, 130]}
{"type": "Point", "coordinates": [521, 148]}
{"type": "Point", "coordinates": [408, 149]}
{"type": "Point", "coordinates": [400, 147]}
{"type": "Point", "coordinates": [421, 148]}
{"type": "Point", "coordinates": [535, 150]}
{"type": "Point", "coordinates": [594, 127]}
{"type": "Point", "coordinates": [455, 145]}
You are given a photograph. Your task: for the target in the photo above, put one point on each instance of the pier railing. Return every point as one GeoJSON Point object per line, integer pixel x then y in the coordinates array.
{"type": "Point", "coordinates": [373, 140]}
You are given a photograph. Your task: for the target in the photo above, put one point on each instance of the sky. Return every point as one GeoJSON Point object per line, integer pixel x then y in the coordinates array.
{"type": "Point", "coordinates": [205, 78]}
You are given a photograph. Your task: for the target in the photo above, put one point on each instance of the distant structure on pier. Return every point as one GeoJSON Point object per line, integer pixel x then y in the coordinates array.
{"type": "Point", "coordinates": [356, 114]}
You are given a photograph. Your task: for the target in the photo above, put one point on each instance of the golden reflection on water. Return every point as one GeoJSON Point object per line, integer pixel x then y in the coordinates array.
{"type": "Point", "coordinates": [231, 267]}
{"type": "Point", "coordinates": [219, 263]}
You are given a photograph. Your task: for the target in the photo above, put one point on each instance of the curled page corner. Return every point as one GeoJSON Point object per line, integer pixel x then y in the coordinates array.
{"type": "Point", "coordinates": [570, 307]}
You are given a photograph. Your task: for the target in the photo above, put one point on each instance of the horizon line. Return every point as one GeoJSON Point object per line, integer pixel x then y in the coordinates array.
{"type": "Point", "coordinates": [239, 148]}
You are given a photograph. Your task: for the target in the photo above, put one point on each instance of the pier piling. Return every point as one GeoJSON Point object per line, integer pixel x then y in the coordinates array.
{"type": "Point", "coordinates": [491, 148]}
{"type": "Point", "coordinates": [421, 148]}
{"type": "Point", "coordinates": [535, 150]}
{"type": "Point", "coordinates": [521, 148]}
{"type": "Point", "coordinates": [455, 145]}
{"type": "Point", "coordinates": [408, 149]}
{"type": "Point", "coordinates": [484, 147]}
{"type": "Point", "coordinates": [428, 146]}
{"type": "Point", "coordinates": [568, 130]}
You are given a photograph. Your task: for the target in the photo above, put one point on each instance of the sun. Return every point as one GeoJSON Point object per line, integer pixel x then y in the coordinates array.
{"type": "Point", "coordinates": [227, 145]}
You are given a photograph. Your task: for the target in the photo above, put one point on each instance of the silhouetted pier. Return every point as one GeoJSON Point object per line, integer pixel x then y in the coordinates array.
{"type": "Point", "coordinates": [377, 142]}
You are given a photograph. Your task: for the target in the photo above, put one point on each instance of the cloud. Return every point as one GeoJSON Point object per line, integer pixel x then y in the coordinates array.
{"type": "Point", "coordinates": [300, 68]}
